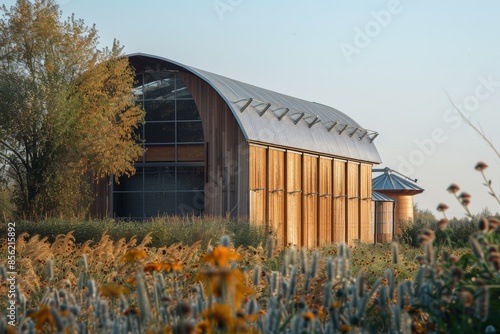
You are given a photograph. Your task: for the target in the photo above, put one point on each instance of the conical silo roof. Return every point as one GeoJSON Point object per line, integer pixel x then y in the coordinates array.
{"type": "Point", "coordinates": [391, 182]}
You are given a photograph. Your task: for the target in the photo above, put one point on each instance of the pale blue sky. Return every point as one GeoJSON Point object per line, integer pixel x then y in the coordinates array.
{"type": "Point", "coordinates": [407, 53]}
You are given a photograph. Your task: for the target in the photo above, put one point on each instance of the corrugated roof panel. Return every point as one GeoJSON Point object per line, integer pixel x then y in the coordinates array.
{"type": "Point", "coordinates": [388, 181]}
{"type": "Point", "coordinates": [309, 133]}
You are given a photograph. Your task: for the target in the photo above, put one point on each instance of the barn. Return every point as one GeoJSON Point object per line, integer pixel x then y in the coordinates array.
{"type": "Point", "coordinates": [217, 146]}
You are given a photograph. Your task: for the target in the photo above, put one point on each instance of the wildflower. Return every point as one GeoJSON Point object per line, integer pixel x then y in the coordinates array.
{"type": "Point", "coordinates": [476, 248]}
{"type": "Point", "coordinates": [134, 254]}
{"type": "Point", "coordinates": [203, 327]}
{"type": "Point", "coordinates": [443, 223]}
{"type": "Point", "coordinates": [220, 256]}
{"type": "Point", "coordinates": [131, 280]}
{"type": "Point", "coordinates": [493, 223]}
{"type": "Point", "coordinates": [480, 166]}
{"type": "Point", "coordinates": [308, 316]}
{"type": "Point", "coordinates": [427, 236]}
{"type": "Point", "coordinates": [453, 188]}
{"type": "Point", "coordinates": [494, 258]}
{"type": "Point", "coordinates": [152, 267]}
{"type": "Point", "coordinates": [112, 291]}
{"type": "Point", "coordinates": [345, 328]}
{"type": "Point", "coordinates": [483, 225]}
{"type": "Point", "coordinates": [442, 207]}
{"type": "Point", "coordinates": [336, 304]}
{"type": "Point", "coordinates": [221, 315]}
{"type": "Point", "coordinates": [171, 266]}
{"type": "Point", "coordinates": [456, 273]}
{"type": "Point", "coordinates": [42, 316]}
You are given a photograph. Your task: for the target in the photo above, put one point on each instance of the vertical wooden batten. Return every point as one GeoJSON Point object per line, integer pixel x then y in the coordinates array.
{"type": "Point", "coordinates": [293, 197]}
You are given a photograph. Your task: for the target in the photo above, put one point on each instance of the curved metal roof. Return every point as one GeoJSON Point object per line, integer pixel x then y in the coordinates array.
{"type": "Point", "coordinates": [268, 117]}
{"type": "Point", "coordinates": [390, 182]}
{"type": "Point", "coordinates": [378, 197]}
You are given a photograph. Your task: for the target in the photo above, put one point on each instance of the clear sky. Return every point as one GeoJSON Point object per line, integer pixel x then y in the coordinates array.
{"type": "Point", "coordinates": [387, 64]}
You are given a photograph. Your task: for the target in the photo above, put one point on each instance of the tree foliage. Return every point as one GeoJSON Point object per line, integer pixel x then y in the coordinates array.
{"type": "Point", "coordinates": [67, 111]}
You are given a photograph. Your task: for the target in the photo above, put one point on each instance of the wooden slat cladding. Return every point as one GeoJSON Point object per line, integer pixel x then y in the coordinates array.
{"type": "Point", "coordinates": [293, 198]}
{"type": "Point", "coordinates": [276, 194]}
{"type": "Point", "coordinates": [339, 201]}
{"type": "Point", "coordinates": [352, 202]}
{"type": "Point", "coordinates": [325, 208]}
{"type": "Point", "coordinates": [365, 186]}
{"type": "Point", "coordinates": [226, 152]}
{"type": "Point", "coordinates": [258, 185]}
{"type": "Point", "coordinates": [309, 200]}
{"type": "Point", "coordinates": [167, 153]}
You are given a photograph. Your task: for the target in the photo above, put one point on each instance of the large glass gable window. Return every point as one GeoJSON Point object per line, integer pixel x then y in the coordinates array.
{"type": "Point", "coordinates": [170, 175]}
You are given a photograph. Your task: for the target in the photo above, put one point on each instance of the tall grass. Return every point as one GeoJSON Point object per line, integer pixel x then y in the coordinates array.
{"type": "Point", "coordinates": [164, 231]}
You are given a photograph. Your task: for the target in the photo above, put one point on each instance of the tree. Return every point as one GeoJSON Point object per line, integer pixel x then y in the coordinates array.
{"type": "Point", "coordinates": [67, 110]}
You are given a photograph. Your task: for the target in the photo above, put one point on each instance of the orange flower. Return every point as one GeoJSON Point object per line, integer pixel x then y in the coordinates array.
{"type": "Point", "coordinates": [134, 254]}
{"type": "Point", "coordinates": [308, 316]}
{"type": "Point", "coordinates": [345, 328]}
{"type": "Point", "coordinates": [112, 290]}
{"type": "Point", "coordinates": [152, 267]}
{"type": "Point", "coordinates": [220, 256]}
{"type": "Point", "coordinates": [42, 316]}
{"type": "Point", "coordinates": [202, 327]}
{"type": "Point", "coordinates": [131, 280]}
{"type": "Point", "coordinates": [171, 266]}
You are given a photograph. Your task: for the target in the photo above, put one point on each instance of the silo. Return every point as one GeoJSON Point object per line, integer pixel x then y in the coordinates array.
{"type": "Point", "coordinates": [400, 188]}
{"type": "Point", "coordinates": [383, 211]}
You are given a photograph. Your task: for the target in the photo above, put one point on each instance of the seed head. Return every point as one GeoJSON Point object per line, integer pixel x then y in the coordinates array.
{"type": "Point", "coordinates": [464, 194]}
{"type": "Point", "coordinates": [443, 223]}
{"type": "Point", "coordinates": [483, 225]}
{"type": "Point", "coordinates": [453, 188]}
{"type": "Point", "coordinates": [442, 207]}
{"type": "Point", "coordinates": [427, 236]}
{"type": "Point", "coordinates": [480, 166]}
{"type": "Point", "coordinates": [467, 298]}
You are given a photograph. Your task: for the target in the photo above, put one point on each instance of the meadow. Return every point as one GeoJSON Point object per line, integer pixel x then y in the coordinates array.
{"type": "Point", "coordinates": [89, 280]}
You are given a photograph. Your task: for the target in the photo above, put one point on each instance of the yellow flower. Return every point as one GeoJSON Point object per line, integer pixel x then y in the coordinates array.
{"type": "Point", "coordinates": [134, 254]}
{"type": "Point", "coordinates": [112, 290]}
{"type": "Point", "coordinates": [308, 316]}
{"type": "Point", "coordinates": [203, 327]}
{"type": "Point", "coordinates": [345, 328]}
{"type": "Point", "coordinates": [171, 266]}
{"type": "Point", "coordinates": [336, 304]}
{"type": "Point", "coordinates": [152, 267]}
{"type": "Point", "coordinates": [220, 256]}
{"type": "Point", "coordinates": [225, 282]}
{"type": "Point", "coordinates": [42, 316]}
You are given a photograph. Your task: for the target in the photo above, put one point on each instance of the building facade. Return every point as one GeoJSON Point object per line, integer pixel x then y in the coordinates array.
{"type": "Point", "coordinates": [217, 146]}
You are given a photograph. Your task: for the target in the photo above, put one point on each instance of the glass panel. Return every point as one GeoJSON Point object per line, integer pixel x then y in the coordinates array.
{"type": "Point", "coordinates": [160, 133]}
{"type": "Point", "coordinates": [189, 132]}
{"type": "Point", "coordinates": [159, 203]}
{"type": "Point", "coordinates": [181, 90]}
{"type": "Point", "coordinates": [191, 202]}
{"type": "Point", "coordinates": [159, 85]}
{"type": "Point", "coordinates": [190, 178]}
{"type": "Point", "coordinates": [139, 132]}
{"type": "Point", "coordinates": [159, 178]}
{"type": "Point", "coordinates": [159, 110]}
{"type": "Point", "coordinates": [128, 205]}
{"type": "Point", "coordinates": [138, 86]}
{"type": "Point", "coordinates": [132, 183]}
{"type": "Point", "coordinates": [186, 110]}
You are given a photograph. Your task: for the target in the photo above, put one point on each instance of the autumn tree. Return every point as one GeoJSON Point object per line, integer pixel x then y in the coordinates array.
{"type": "Point", "coordinates": [67, 111]}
